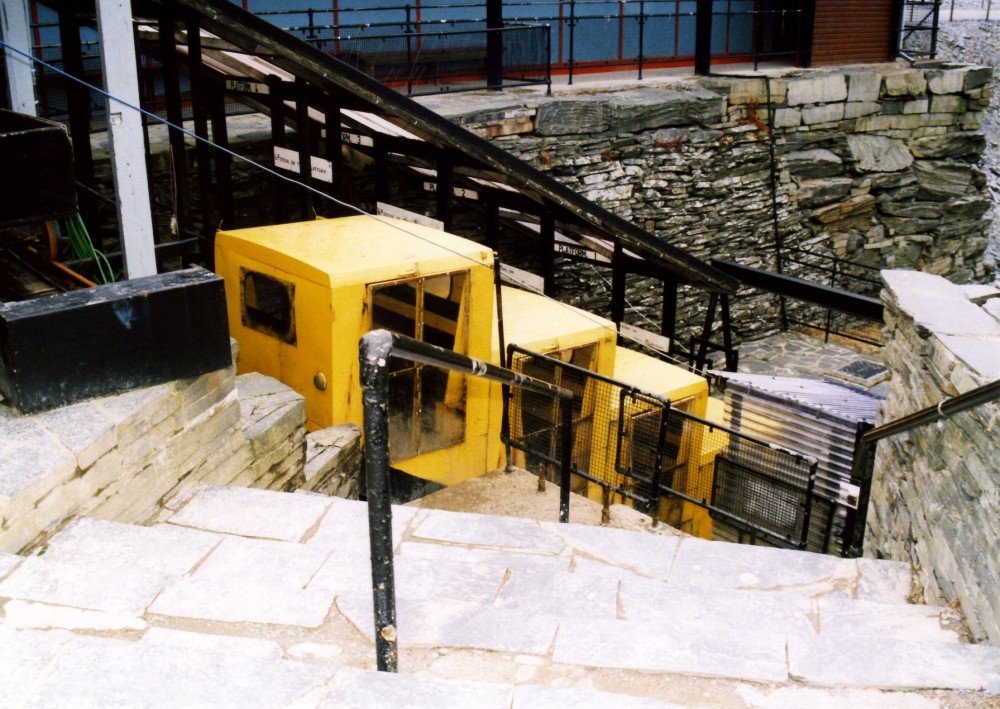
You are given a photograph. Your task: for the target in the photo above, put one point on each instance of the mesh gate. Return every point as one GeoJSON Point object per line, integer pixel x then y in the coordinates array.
{"type": "Point", "coordinates": [665, 460]}
{"type": "Point", "coordinates": [616, 428]}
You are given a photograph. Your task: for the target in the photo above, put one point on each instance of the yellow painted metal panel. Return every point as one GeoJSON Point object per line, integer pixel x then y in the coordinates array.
{"type": "Point", "coordinates": [658, 377]}
{"type": "Point", "coordinates": [358, 249]}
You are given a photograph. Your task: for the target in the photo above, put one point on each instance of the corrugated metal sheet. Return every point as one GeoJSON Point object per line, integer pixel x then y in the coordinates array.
{"type": "Point", "coordinates": [853, 31]}
{"type": "Point", "coordinates": [816, 418]}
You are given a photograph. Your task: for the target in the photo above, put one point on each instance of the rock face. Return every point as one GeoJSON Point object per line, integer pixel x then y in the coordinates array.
{"type": "Point", "coordinates": [936, 491]}
{"type": "Point", "coordinates": [873, 165]}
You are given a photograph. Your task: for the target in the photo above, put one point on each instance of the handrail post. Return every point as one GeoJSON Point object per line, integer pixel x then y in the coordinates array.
{"type": "Point", "coordinates": [863, 473]}
{"type": "Point", "coordinates": [567, 459]}
{"type": "Point", "coordinates": [374, 355]}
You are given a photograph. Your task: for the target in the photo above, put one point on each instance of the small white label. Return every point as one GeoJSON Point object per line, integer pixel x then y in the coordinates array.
{"type": "Point", "coordinates": [288, 159]}
{"type": "Point", "coordinates": [246, 86]}
{"type": "Point", "coordinates": [644, 337]}
{"type": "Point", "coordinates": [389, 210]}
{"type": "Point", "coordinates": [522, 278]}
{"type": "Point", "coordinates": [581, 252]}
{"type": "Point", "coordinates": [355, 139]}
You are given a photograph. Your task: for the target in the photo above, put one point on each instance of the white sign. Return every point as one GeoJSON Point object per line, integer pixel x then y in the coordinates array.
{"type": "Point", "coordinates": [457, 191]}
{"type": "Point", "coordinates": [246, 86]}
{"type": "Point", "coordinates": [289, 160]}
{"type": "Point", "coordinates": [522, 278]}
{"type": "Point", "coordinates": [355, 139]}
{"type": "Point", "coordinates": [644, 337]}
{"type": "Point", "coordinates": [581, 252]}
{"type": "Point", "coordinates": [388, 210]}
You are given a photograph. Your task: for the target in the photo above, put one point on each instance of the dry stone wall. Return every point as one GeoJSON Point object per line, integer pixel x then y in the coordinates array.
{"type": "Point", "coordinates": [936, 492]}
{"type": "Point", "coordinates": [874, 165]}
{"type": "Point", "coordinates": [128, 457]}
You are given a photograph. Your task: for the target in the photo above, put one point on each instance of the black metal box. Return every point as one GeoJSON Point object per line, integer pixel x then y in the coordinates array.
{"type": "Point", "coordinates": [36, 170]}
{"type": "Point", "coordinates": [63, 348]}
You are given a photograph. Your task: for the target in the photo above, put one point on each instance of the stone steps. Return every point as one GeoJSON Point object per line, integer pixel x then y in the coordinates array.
{"type": "Point", "coordinates": [246, 597]}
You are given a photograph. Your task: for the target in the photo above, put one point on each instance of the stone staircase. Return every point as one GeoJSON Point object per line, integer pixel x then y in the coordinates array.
{"type": "Point", "coordinates": [244, 597]}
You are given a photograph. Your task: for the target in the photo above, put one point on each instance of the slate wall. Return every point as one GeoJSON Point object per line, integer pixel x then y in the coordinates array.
{"type": "Point", "coordinates": [936, 492]}
{"type": "Point", "coordinates": [873, 165]}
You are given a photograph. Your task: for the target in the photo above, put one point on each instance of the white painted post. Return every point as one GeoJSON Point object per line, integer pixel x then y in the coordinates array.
{"type": "Point", "coordinates": [16, 26]}
{"type": "Point", "coordinates": [128, 152]}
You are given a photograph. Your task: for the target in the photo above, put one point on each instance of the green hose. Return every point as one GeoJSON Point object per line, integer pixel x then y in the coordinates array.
{"type": "Point", "coordinates": [81, 247]}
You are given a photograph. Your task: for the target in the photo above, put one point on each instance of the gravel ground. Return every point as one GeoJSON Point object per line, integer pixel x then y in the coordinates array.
{"type": "Point", "coordinates": [978, 42]}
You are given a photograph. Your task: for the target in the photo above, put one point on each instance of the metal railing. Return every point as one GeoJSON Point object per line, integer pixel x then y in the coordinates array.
{"type": "Point", "coordinates": [616, 429]}
{"type": "Point", "coordinates": [376, 349]}
{"type": "Point", "coordinates": [864, 457]}
{"type": "Point", "coordinates": [587, 35]}
{"type": "Point", "coordinates": [762, 491]}
{"type": "Point", "coordinates": [422, 59]}
{"type": "Point", "coordinates": [666, 461]}
{"type": "Point", "coordinates": [918, 29]}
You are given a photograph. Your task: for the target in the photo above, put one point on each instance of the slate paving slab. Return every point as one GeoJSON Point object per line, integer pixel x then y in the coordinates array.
{"type": "Point", "coordinates": [487, 531]}
{"type": "Point", "coordinates": [8, 562]}
{"type": "Point", "coordinates": [235, 601]}
{"type": "Point", "coordinates": [165, 549]}
{"type": "Point", "coordinates": [892, 664]}
{"type": "Point", "coordinates": [161, 672]}
{"type": "Point", "coordinates": [532, 696]}
{"type": "Point", "coordinates": [456, 624]}
{"type": "Point", "coordinates": [884, 581]}
{"type": "Point", "coordinates": [250, 512]}
{"type": "Point", "coordinates": [352, 688]}
{"type": "Point", "coordinates": [646, 554]}
{"type": "Point", "coordinates": [511, 559]}
{"type": "Point", "coordinates": [678, 647]}
{"type": "Point", "coordinates": [721, 565]}
{"type": "Point", "coordinates": [114, 589]}
{"type": "Point", "coordinates": [559, 594]}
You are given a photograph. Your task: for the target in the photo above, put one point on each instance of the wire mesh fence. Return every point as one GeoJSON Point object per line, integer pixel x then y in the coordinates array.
{"type": "Point", "coordinates": [665, 461]}
{"type": "Point", "coordinates": [422, 60]}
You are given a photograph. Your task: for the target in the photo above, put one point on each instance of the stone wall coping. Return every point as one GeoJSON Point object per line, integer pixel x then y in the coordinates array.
{"type": "Point", "coordinates": [939, 306]}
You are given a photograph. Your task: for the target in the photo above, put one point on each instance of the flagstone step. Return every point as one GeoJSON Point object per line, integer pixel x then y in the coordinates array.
{"type": "Point", "coordinates": [277, 586]}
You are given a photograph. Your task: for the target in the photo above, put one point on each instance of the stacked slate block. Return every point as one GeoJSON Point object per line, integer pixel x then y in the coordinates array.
{"type": "Point", "coordinates": [936, 491]}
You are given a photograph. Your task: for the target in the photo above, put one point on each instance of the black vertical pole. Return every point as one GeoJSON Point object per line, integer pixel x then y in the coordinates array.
{"type": "Point", "coordinates": [223, 160]}
{"type": "Point", "coordinates": [703, 38]}
{"type": "Point", "coordinates": [175, 116]}
{"type": "Point", "coordinates": [303, 127]}
{"type": "Point", "coordinates": [806, 32]}
{"type": "Point", "coordinates": [199, 104]}
{"type": "Point", "coordinates": [78, 103]}
{"type": "Point", "coordinates": [494, 44]}
{"type": "Point", "coordinates": [381, 170]}
{"type": "Point", "coordinates": [332, 145]}
{"type": "Point", "coordinates": [668, 316]}
{"type": "Point", "coordinates": [566, 468]}
{"type": "Point", "coordinates": [572, 36]}
{"type": "Point", "coordinates": [276, 96]}
{"type": "Point", "coordinates": [547, 250]}
{"type": "Point", "coordinates": [618, 276]}
{"type": "Point", "coordinates": [445, 181]}
{"type": "Point", "coordinates": [376, 348]}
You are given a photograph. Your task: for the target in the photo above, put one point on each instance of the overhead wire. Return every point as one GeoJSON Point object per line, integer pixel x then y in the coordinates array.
{"type": "Point", "coordinates": [597, 320]}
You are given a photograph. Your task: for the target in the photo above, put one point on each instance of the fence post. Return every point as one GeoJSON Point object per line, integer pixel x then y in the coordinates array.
{"type": "Point", "coordinates": [642, 33]}
{"type": "Point", "coordinates": [494, 44]}
{"type": "Point", "coordinates": [567, 459]}
{"type": "Point", "coordinates": [703, 38]}
{"type": "Point", "coordinates": [375, 349]}
{"type": "Point", "coordinates": [572, 30]}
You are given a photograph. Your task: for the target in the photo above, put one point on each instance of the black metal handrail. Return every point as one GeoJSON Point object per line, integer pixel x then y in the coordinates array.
{"type": "Point", "coordinates": [376, 348]}
{"type": "Point", "coordinates": [864, 457]}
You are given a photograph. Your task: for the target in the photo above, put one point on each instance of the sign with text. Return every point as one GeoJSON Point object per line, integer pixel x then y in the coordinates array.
{"type": "Point", "coordinates": [388, 210]}
{"type": "Point", "coordinates": [288, 159]}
